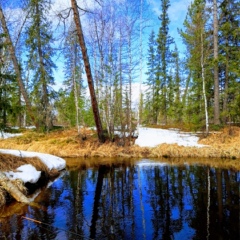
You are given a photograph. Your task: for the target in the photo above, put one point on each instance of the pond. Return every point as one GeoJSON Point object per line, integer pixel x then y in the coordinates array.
{"type": "Point", "coordinates": [142, 199]}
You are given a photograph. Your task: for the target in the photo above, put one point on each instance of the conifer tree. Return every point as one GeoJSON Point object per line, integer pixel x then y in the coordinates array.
{"type": "Point", "coordinates": [12, 52]}
{"type": "Point", "coordinates": [152, 92]}
{"type": "Point", "coordinates": [176, 104]}
{"type": "Point", "coordinates": [229, 60]}
{"type": "Point", "coordinates": [40, 64]}
{"type": "Point", "coordinates": [164, 42]}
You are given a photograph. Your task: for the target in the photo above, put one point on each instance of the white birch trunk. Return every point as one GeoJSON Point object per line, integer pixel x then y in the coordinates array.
{"type": "Point", "coordinates": [140, 78]}
{"type": "Point", "coordinates": [75, 90]}
{"type": "Point", "coordinates": [203, 85]}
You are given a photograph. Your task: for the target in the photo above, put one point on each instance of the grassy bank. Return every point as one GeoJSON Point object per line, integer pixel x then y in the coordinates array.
{"type": "Point", "coordinates": [224, 144]}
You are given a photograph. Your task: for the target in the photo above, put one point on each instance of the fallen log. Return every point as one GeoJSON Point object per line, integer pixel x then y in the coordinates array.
{"type": "Point", "coordinates": [12, 190]}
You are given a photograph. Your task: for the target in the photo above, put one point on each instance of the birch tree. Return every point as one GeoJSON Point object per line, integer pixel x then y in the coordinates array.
{"type": "Point", "coordinates": [204, 83]}
{"type": "Point", "coordinates": [197, 42]}
{"type": "Point", "coordinates": [71, 97]}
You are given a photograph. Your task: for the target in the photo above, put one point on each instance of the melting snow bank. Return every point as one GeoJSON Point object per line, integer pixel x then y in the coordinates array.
{"type": "Point", "coordinates": [27, 172]}
{"type": "Point", "coordinates": [52, 162]}
{"type": "Point", "coordinates": [151, 137]}
{"type": "Point", "coordinates": [9, 135]}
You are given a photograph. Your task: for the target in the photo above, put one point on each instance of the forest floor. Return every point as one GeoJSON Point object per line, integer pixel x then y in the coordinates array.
{"type": "Point", "coordinates": [68, 143]}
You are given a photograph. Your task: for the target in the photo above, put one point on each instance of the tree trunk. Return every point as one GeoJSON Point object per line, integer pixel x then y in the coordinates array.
{"type": "Point", "coordinates": [140, 77]}
{"type": "Point", "coordinates": [204, 85]}
{"type": "Point", "coordinates": [88, 71]}
{"type": "Point", "coordinates": [208, 201]}
{"type": "Point", "coordinates": [12, 190]}
{"type": "Point", "coordinates": [16, 67]}
{"type": "Point", "coordinates": [75, 90]}
{"type": "Point", "coordinates": [95, 215]}
{"type": "Point", "coordinates": [215, 53]}
{"type": "Point", "coordinates": [226, 74]}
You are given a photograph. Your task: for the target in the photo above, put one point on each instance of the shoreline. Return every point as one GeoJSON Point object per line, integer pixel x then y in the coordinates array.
{"type": "Point", "coordinates": [110, 150]}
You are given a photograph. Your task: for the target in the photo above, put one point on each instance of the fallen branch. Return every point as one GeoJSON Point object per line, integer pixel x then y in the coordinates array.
{"type": "Point", "coordinates": [12, 190]}
{"type": "Point", "coordinates": [49, 225]}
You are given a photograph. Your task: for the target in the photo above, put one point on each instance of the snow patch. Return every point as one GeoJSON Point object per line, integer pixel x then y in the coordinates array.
{"type": "Point", "coordinates": [27, 173]}
{"type": "Point", "coordinates": [151, 137]}
{"type": "Point", "coordinates": [9, 135]}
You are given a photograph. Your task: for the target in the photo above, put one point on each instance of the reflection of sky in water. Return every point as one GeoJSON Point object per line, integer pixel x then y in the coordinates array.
{"type": "Point", "coordinates": [185, 233]}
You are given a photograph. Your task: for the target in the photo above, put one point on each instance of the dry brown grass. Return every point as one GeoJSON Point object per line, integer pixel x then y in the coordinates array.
{"type": "Point", "coordinates": [3, 195]}
{"type": "Point", "coordinates": [9, 162]}
{"type": "Point", "coordinates": [68, 143]}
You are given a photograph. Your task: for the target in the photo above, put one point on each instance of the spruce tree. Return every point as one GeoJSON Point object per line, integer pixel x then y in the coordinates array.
{"type": "Point", "coordinates": [151, 96]}
{"type": "Point", "coordinates": [164, 41]}
{"type": "Point", "coordinates": [12, 55]}
{"type": "Point", "coordinates": [176, 104]}
{"type": "Point", "coordinates": [229, 60]}
{"type": "Point", "coordinates": [40, 52]}
{"type": "Point", "coordinates": [9, 95]}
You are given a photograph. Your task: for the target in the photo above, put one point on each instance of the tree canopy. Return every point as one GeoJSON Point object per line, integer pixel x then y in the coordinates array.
{"type": "Point", "coordinates": [198, 88]}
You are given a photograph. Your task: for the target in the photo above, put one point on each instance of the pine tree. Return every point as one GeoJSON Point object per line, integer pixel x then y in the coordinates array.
{"type": "Point", "coordinates": [164, 42]}
{"type": "Point", "coordinates": [12, 52]}
{"type": "Point", "coordinates": [229, 58]}
{"type": "Point", "coordinates": [9, 94]}
{"type": "Point", "coordinates": [152, 93]}
{"type": "Point", "coordinates": [40, 53]}
{"type": "Point", "coordinates": [175, 88]}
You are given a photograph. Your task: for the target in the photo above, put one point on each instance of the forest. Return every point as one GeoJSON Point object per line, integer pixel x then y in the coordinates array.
{"type": "Point", "coordinates": [107, 49]}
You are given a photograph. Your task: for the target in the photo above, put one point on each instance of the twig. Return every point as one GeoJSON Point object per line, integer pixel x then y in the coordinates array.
{"type": "Point", "coordinates": [42, 223]}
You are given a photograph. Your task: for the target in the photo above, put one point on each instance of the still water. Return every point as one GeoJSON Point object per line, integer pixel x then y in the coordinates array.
{"type": "Point", "coordinates": [143, 199]}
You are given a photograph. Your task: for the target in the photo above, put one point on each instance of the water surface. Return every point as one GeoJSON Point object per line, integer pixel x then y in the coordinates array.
{"type": "Point", "coordinates": [143, 199]}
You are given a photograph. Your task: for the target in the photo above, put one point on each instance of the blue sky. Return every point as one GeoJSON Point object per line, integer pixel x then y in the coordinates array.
{"type": "Point", "coordinates": [177, 13]}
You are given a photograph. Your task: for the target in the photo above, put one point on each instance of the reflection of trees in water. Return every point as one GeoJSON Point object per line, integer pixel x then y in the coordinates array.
{"type": "Point", "coordinates": [132, 202]}
{"type": "Point", "coordinates": [187, 191]}
{"type": "Point", "coordinates": [113, 209]}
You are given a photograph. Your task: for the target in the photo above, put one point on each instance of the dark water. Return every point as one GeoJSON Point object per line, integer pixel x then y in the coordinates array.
{"type": "Point", "coordinates": [141, 200]}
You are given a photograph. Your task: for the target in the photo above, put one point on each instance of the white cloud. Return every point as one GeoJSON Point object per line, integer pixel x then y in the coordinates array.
{"type": "Point", "coordinates": [178, 10]}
